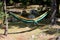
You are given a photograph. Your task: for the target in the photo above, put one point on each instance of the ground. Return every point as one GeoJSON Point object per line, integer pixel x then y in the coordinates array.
{"type": "Point", "coordinates": [16, 33]}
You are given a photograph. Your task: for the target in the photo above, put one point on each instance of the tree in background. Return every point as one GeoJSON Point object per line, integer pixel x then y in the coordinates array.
{"type": "Point", "coordinates": [24, 2]}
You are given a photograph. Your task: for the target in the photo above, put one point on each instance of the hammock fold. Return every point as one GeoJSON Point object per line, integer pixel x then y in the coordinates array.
{"type": "Point", "coordinates": [27, 20]}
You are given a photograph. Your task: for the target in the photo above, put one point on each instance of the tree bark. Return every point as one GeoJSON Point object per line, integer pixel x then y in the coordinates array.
{"type": "Point", "coordinates": [54, 11]}
{"type": "Point", "coordinates": [6, 21]}
{"type": "Point", "coordinates": [58, 15]}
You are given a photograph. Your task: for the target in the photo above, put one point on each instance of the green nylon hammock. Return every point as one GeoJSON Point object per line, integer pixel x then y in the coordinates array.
{"type": "Point", "coordinates": [26, 20]}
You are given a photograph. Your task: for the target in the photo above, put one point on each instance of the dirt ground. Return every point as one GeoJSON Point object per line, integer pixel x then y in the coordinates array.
{"type": "Point", "coordinates": [16, 33]}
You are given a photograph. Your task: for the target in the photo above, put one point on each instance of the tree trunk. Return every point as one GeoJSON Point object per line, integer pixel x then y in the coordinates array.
{"type": "Point", "coordinates": [6, 21]}
{"type": "Point", "coordinates": [54, 11]}
{"type": "Point", "coordinates": [58, 15]}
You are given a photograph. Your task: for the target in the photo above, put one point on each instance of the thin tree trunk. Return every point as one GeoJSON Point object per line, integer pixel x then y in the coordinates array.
{"type": "Point", "coordinates": [58, 15]}
{"type": "Point", "coordinates": [6, 21]}
{"type": "Point", "coordinates": [54, 11]}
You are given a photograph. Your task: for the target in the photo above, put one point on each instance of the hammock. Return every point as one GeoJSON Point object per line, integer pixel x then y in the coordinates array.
{"type": "Point", "coordinates": [27, 20]}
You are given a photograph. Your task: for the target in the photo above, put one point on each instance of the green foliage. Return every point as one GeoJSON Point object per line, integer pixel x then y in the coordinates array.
{"type": "Point", "coordinates": [1, 15]}
{"type": "Point", "coordinates": [11, 1]}
{"type": "Point", "coordinates": [0, 6]}
{"type": "Point", "coordinates": [0, 3]}
{"type": "Point", "coordinates": [24, 2]}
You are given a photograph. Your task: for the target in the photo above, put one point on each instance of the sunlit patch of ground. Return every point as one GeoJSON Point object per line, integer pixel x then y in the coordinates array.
{"type": "Point", "coordinates": [16, 33]}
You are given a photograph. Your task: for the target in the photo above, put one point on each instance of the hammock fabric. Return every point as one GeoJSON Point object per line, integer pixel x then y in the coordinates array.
{"type": "Point", "coordinates": [27, 20]}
